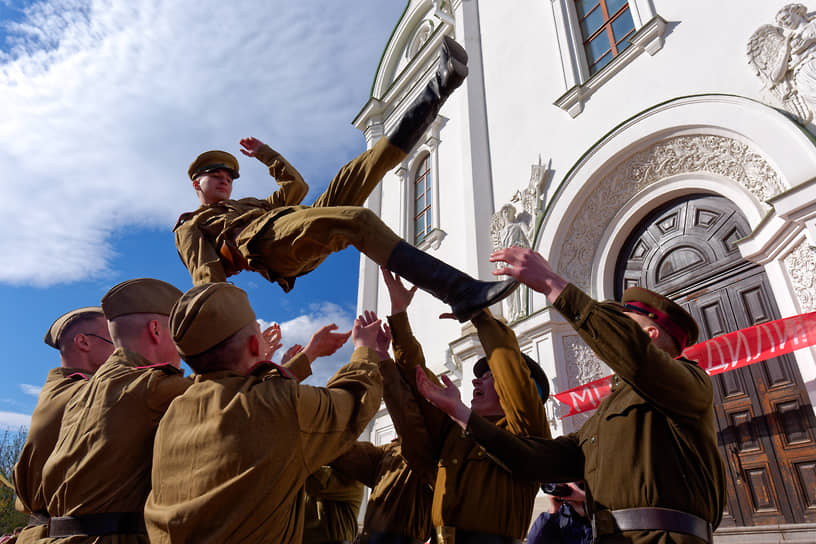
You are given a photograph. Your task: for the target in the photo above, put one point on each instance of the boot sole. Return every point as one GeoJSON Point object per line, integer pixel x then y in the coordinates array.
{"type": "Point", "coordinates": [466, 314]}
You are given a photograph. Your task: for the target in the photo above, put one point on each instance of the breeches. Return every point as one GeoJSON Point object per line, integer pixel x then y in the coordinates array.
{"type": "Point", "coordinates": [298, 242]}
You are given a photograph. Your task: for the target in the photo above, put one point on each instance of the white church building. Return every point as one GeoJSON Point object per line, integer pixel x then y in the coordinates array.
{"type": "Point", "coordinates": [656, 143]}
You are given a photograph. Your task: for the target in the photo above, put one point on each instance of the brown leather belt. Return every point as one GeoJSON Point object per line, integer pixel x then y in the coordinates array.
{"type": "Point", "coordinates": [38, 518]}
{"type": "Point", "coordinates": [390, 538]}
{"type": "Point", "coordinates": [108, 523]}
{"type": "Point", "coordinates": [607, 522]}
{"type": "Point", "coordinates": [452, 535]}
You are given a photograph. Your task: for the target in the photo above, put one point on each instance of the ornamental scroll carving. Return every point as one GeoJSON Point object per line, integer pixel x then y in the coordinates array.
{"type": "Point", "coordinates": [582, 365]}
{"type": "Point", "coordinates": [718, 155]}
{"type": "Point", "coordinates": [801, 266]}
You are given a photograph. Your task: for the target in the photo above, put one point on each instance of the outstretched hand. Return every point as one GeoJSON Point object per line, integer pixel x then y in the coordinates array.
{"type": "Point", "coordinates": [325, 342]}
{"type": "Point", "coordinates": [383, 336]}
{"type": "Point", "coordinates": [447, 398]}
{"type": "Point", "coordinates": [272, 335]}
{"type": "Point", "coordinates": [401, 297]}
{"type": "Point", "coordinates": [365, 332]}
{"type": "Point", "coordinates": [529, 268]}
{"type": "Point", "coordinates": [250, 146]}
{"type": "Point", "coordinates": [291, 352]}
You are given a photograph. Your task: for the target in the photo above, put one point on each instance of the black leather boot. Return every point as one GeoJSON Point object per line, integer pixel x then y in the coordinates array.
{"type": "Point", "coordinates": [450, 74]}
{"type": "Point", "coordinates": [466, 296]}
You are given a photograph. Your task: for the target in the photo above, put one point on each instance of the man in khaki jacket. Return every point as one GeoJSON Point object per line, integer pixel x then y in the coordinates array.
{"type": "Point", "coordinates": [475, 499]}
{"type": "Point", "coordinates": [83, 341]}
{"type": "Point", "coordinates": [98, 477]}
{"type": "Point", "coordinates": [233, 452]}
{"type": "Point", "coordinates": [282, 240]}
{"type": "Point", "coordinates": [649, 452]}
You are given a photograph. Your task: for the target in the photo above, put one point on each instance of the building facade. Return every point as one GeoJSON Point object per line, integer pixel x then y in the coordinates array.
{"type": "Point", "coordinates": [655, 143]}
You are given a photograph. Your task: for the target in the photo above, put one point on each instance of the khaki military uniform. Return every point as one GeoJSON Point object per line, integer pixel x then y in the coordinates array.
{"type": "Point", "coordinates": [400, 499]}
{"type": "Point", "coordinates": [472, 492]}
{"type": "Point", "coordinates": [332, 504]}
{"type": "Point", "coordinates": [60, 386]}
{"type": "Point", "coordinates": [233, 453]}
{"type": "Point", "coordinates": [280, 239]}
{"type": "Point", "coordinates": [101, 462]}
{"type": "Point", "coordinates": [651, 443]}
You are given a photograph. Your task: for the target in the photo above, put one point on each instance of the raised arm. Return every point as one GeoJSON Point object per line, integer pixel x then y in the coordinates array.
{"type": "Point", "coordinates": [293, 188]}
{"type": "Point", "coordinates": [198, 254]}
{"type": "Point", "coordinates": [361, 462]}
{"type": "Point", "coordinates": [518, 395]}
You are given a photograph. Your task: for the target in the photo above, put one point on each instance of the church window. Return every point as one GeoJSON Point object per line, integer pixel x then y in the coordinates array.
{"type": "Point", "coordinates": [605, 26]}
{"type": "Point", "coordinates": [423, 201]}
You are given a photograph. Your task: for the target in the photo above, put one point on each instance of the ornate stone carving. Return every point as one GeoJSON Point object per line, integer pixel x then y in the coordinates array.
{"type": "Point", "coordinates": [420, 37]}
{"type": "Point", "coordinates": [784, 58]}
{"type": "Point", "coordinates": [582, 365]}
{"type": "Point", "coordinates": [801, 265]}
{"type": "Point", "coordinates": [514, 225]}
{"type": "Point", "coordinates": [718, 155]}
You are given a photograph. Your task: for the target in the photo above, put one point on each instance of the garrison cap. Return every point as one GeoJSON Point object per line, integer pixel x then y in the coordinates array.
{"type": "Point", "coordinates": [663, 311]}
{"type": "Point", "coordinates": [213, 160]}
{"type": "Point", "coordinates": [139, 296]}
{"type": "Point", "coordinates": [208, 314]}
{"type": "Point", "coordinates": [52, 337]}
{"type": "Point", "coordinates": [536, 372]}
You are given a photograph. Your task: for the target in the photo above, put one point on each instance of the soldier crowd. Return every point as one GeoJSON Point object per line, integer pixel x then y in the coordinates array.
{"type": "Point", "coordinates": [124, 448]}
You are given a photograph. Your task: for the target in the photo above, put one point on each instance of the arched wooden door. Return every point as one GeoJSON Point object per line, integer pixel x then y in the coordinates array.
{"type": "Point", "coordinates": [685, 250]}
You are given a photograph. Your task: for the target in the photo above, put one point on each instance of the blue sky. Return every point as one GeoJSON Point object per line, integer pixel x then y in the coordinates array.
{"type": "Point", "coordinates": [105, 103]}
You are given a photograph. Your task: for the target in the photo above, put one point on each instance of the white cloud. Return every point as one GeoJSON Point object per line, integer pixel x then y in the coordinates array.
{"type": "Point", "coordinates": [301, 329]}
{"type": "Point", "coordinates": [106, 102]}
{"type": "Point", "coordinates": [13, 421]}
{"type": "Point", "coordinates": [33, 390]}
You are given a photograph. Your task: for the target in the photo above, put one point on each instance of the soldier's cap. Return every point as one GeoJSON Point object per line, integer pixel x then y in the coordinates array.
{"type": "Point", "coordinates": [663, 311]}
{"type": "Point", "coordinates": [139, 296]}
{"type": "Point", "coordinates": [208, 314]}
{"type": "Point", "coordinates": [210, 161]}
{"type": "Point", "coordinates": [52, 336]}
{"type": "Point", "coordinates": [536, 372]}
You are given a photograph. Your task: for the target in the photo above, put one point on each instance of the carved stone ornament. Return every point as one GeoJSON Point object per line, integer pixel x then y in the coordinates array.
{"type": "Point", "coordinates": [784, 58]}
{"type": "Point", "coordinates": [514, 225]}
{"type": "Point", "coordinates": [582, 365]}
{"type": "Point", "coordinates": [719, 155]}
{"type": "Point", "coordinates": [801, 265]}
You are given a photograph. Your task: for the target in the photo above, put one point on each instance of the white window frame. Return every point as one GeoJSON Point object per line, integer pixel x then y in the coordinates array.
{"type": "Point", "coordinates": [407, 172]}
{"type": "Point", "coordinates": [650, 30]}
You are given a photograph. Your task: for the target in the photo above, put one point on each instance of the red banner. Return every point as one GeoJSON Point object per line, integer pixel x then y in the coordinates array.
{"type": "Point", "coordinates": [721, 354]}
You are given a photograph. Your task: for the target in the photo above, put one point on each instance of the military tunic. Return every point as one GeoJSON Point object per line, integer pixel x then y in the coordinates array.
{"type": "Point", "coordinates": [102, 459]}
{"type": "Point", "coordinates": [280, 239]}
{"type": "Point", "coordinates": [232, 454]}
{"type": "Point", "coordinates": [60, 386]}
{"type": "Point", "coordinates": [332, 504]}
{"type": "Point", "coordinates": [651, 443]}
{"type": "Point", "coordinates": [472, 492]}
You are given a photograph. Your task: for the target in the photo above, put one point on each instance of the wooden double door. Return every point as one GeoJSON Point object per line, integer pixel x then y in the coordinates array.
{"type": "Point", "coordinates": [767, 432]}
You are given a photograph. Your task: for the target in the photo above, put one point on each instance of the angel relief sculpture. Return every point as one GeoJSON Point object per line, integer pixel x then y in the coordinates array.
{"type": "Point", "coordinates": [511, 227]}
{"type": "Point", "coordinates": [784, 58]}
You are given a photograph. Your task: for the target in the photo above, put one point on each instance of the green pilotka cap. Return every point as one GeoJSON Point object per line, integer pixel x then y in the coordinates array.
{"type": "Point", "coordinates": [52, 336]}
{"type": "Point", "coordinates": [208, 314]}
{"type": "Point", "coordinates": [139, 296]}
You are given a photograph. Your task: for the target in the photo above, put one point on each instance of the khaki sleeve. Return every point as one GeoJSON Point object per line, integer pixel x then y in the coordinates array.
{"type": "Point", "coordinates": [408, 356]}
{"type": "Point", "coordinates": [163, 388]}
{"type": "Point", "coordinates": [674, 387]}
{"type": "Point", "coordinates": [518, 395]}
{"type": "Point", "coordinates": [326, 484]}
{"type": "Point", "coordinates": [529, 458]}
{"type": "Point", "coordinates": [332, 417]}
{"type": "Point", "coordinates": [293, 188]}
{"type": "Point", "coordinates": [199, 255]}
{"type": "Point", "coordinates": [300, 366]}
{"type": "Point", "coordinates": [361, 462]}
{"type": "Point", "coordinates": [407, 411]}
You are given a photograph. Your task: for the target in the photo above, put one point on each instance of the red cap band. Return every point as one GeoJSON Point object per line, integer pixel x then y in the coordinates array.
{"type": "Point", "coordinates": [661, 319]}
